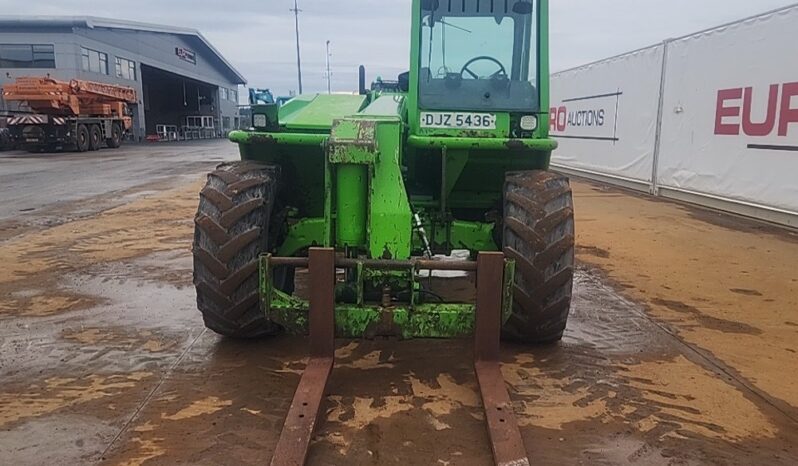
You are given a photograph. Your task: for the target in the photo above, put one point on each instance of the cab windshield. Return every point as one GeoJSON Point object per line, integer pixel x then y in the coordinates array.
{"type": "Point", "coordinates": [478, 55]}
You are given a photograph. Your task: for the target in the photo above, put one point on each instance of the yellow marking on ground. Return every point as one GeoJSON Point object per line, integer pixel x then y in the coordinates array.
{"type": "Point", "coordinates": [439, 399]}
{"type": "Point", "coordinates": [346, 351]}
{"type": "Point", "coordinates": [44, 305]}
{"type": "Point", "coordinates": [161, 222]}
{"type": "Point", "coordinates": [58, 393]}
{"type": "Point", "coordinates": [698, 400]}
{"type": "Point", "coordinates": [447, 397]}
{"type": "Point", "coordinates": [554, 402]}
{"type": "Point", "coordinates": [730, 290]}
{"type": "Point", "coordinates": [202, 407]}
{"type": "Point", "coordinates": [436, 423]}
{"type": "Point", "coordinates": [118, 338]}
{"type": "Point", "coordinates": [146, 427]}
{"type": "Point", "coordinates": [338, 440]}
{"type": "Point", "coordinates": [156, 346]}
{"type": "Point", "coordinates": [145, 451]}
{"type": "Point", "coordinates": [364, 411]}
{"type": "Point", "coordinates": [367, 362]}
{"type": "Point", "coordinates": [293, 367]}
{"type": "Point", "coordinates": [90, 336]}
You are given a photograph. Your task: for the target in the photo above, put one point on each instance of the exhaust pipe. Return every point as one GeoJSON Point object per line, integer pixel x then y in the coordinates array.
{"type": "Point", "coordinates": [362, 80]}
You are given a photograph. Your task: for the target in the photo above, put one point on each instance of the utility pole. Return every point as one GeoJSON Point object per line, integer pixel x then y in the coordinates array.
{"type": "Point", "coordinates": [329, 72]}
{"type": "Point", "coordinates": [296, 11]}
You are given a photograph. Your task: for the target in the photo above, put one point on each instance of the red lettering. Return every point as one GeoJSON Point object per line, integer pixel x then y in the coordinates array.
{"type": "Point", "coordinates": [562, 118]}
{"type": "Point", "coordinates": [553, 119]}
{"type": "Point", "coordinates": [789, 114]}
{"type": "Point", "coordinates": [722, 111]}
{"type": "Point", "coordinates": [765, 128]}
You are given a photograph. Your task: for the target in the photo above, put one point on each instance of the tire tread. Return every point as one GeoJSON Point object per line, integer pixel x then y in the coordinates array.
{"type": "Point", "coordinates": [538, 233]}
{"type": "Point", "coordinates": [231, 232]}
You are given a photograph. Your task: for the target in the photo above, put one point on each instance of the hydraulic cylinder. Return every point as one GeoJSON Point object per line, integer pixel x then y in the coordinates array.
{"type": "Point", "coordinates": [351, 194]}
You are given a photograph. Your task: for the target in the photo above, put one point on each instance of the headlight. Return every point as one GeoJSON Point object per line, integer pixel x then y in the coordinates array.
{"type": "Point", "coordinates": [529, 122]}
{"type": "Point", "coordinates": [259, 120]}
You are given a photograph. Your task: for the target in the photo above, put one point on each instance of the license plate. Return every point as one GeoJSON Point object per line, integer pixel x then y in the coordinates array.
{"type": "Point", "coordinates": [456, 120]}
{"type": "Point", "coordinates": [31, 140]}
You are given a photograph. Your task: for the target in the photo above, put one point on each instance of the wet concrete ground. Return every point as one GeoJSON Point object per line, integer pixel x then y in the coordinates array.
{"type": "Point", "coordinates": [681, 348]}
{"type": "Point", "coordinates": [46, 189]}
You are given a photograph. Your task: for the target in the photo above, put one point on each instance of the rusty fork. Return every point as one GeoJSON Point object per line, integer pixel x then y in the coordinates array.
{"type": "Point", "coordinates": [505, 437]}
{"type": "Point", "coordinates": [303, 415]}
{"type": "Point", "coordinates": [292, 448]}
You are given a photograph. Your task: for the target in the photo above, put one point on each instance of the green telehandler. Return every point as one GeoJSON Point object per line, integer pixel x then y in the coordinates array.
{"type": "Point", "coordinates": [454, 155]}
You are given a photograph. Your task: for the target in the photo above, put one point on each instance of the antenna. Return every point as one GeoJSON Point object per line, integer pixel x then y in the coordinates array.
{"type": "Point", "coordinates": [296, 11]}
{"type": "Point", "coordinates": [329, 72]}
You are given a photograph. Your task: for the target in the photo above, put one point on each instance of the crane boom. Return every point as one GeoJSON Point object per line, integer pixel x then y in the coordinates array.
{"type": "Point", "coordinates": [76, 97]}
{"type": "Point", "coordinates": [102, 91]}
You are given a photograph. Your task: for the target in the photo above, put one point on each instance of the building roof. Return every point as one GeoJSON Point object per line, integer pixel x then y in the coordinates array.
{"type": "Point", "coordinates": [92, 22]}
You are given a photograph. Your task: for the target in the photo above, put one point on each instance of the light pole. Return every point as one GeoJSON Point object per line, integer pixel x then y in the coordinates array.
{"type": "Point", "coordinates": [296, 11]}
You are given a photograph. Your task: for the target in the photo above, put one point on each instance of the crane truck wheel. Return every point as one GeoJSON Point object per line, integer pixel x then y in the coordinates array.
{"type": "Point", "coordinates": [231, 232]}
{"type": "Point", "coordinates": [82, 138]}
{"type": "Point", "coordinates": [95, 137]}
{"type": "Point", "coordinates": [538, 233]}
{"type": "Point", "coordinates": [115, 141]}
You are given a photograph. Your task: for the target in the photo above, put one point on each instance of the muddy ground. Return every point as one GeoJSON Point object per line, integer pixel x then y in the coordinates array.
{"type": "Point", "coordinates": [682, 347]}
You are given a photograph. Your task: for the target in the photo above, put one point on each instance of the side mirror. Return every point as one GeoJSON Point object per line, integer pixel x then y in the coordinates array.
{"type": "Point", "coordinates": [522, 7]}
{"type": "Point", "coordinates": [404, 81]}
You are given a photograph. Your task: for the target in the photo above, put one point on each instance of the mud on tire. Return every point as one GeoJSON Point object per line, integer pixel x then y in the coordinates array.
{"type": "Point", "coordinates": [538, 232]}
{"type": "Point", "coordinates": [231, 231]}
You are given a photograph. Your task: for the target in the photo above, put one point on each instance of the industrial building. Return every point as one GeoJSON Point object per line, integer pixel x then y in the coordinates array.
{"type": "Point", "coordinates": [186, 88]}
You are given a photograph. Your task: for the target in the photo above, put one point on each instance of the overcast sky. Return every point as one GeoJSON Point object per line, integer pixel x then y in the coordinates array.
{"type": "Point", "coordinates": [257, 36]}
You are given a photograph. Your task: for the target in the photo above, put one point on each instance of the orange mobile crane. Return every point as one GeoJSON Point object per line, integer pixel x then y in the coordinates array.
{"type": "Point", "coordinates": [81, 115]}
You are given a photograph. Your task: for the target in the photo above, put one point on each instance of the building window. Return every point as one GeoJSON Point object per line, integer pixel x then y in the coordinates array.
{"type": "Point", "coordinates": [224, 93]}
{"type": "Point", "coordinates": [125, 69]}
{"type": "Point", "coordinates": [26, 56]}
{"type": "Point", "coordinates": [234, 96]}
{"type": "Point", "coordinates": [94, 61]}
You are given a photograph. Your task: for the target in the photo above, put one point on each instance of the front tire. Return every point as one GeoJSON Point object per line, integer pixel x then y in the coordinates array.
{"type": "Point", "coordinates": [538, 233]}
{"type": "Point", "coordinates": [231, 232]}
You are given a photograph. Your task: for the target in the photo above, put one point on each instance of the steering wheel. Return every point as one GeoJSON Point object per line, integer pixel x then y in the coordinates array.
{"type": "Point", "coordinates": [466, 69]}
